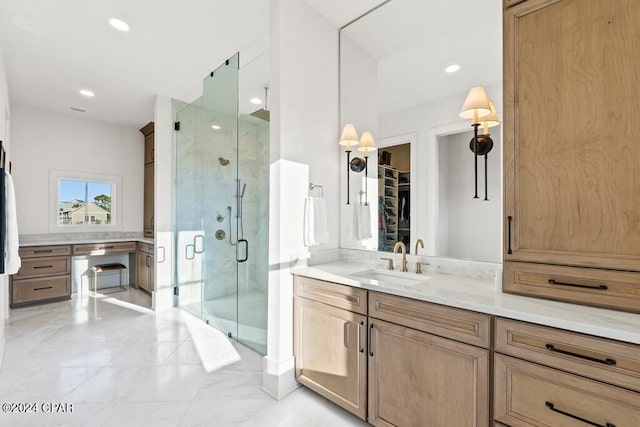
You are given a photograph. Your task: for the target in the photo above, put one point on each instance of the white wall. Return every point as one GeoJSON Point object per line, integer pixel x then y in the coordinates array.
{"type": "Point", "coordinates": [304, 134]}
{"type": "Point", "coordinates": [471, 228]}
{"type": "Point", "coordinates": [358, 106]}
{"type": "Point", "coordinates": [44, 140]}
{"type": "Point", "coordinates": [4, 136]}
{"type": "Point", "coordinates": [428, 121]}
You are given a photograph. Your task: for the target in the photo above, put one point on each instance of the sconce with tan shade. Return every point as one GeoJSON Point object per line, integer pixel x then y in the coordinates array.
{"type": "Point", "coordinates": [348, 138]}
{"type": "Point", "coordinates": [482, 112]}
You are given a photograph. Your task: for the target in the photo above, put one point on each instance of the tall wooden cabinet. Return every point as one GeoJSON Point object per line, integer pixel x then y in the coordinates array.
{"type": "Point", "coordinates": [572, 151]}
{"type": "Point", "coordinates": [149, 152]}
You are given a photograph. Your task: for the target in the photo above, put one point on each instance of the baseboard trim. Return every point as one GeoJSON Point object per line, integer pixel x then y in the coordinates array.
{"type": "Point", "coordinates": [278, 386]}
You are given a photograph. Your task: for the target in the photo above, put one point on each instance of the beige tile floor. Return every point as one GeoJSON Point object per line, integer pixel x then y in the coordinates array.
{"type": "Point", "coordinates": [120, 364]}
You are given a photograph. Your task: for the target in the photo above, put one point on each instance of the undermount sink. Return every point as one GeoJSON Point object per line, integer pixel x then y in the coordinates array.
{"type": "Point", "coordinates": [386, 277]}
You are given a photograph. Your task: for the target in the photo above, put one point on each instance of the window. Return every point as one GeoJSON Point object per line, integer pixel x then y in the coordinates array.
{"type": "Point", "coordinates": [83, 201]}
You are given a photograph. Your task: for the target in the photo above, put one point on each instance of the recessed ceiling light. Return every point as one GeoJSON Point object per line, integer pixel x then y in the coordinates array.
{"type": "Point", "coordinates": [452, 68]}
{"type": "Point", "coordinates": [79, 110]}
{"type": "Point", "coordinates": [255, 101]}
{"type": "Point", "coordinates": [119, 24]}
{"type": "Point", "coordinates": [87, 93]}
{"type": "Point", "coordinates": [28, 24]}
{"type": "Point", "coordinates": [216, 127]}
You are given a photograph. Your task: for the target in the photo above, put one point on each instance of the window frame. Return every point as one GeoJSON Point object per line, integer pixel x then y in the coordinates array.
{"type": "Point", "coordinates": [55, 176]}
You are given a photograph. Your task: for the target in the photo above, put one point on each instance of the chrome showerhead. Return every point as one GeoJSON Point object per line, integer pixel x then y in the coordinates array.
{"type": "Point", "coordinates": [244, 187]}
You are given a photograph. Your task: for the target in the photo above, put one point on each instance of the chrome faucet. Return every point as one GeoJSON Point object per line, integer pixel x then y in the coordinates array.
{"type": "Point", "coordinates": [404, 254]}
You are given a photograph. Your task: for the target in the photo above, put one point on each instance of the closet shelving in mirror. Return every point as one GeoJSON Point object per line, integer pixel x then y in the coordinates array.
{"type": "Point", "coordinates": [388, 179]}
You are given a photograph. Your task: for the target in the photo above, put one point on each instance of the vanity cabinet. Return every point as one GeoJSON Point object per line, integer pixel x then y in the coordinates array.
{"type": "Point", "coordinates": [330, 341]}
{"type": "Point", "coordinates": [571, 151]}
{"type": "Point", "coordinates": [45, 275]}
{"type": "Point", "coordinates": [149, 171]}
{"type": "Point", "coordinates": [144, 267]}
{"type": "Point", "coordinates": [550, 377]}
{"type": "Point", "coordinates": [418, 374]}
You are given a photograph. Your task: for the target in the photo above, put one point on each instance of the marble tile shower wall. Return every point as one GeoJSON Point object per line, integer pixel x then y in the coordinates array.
{"type": "Point", "coordinates": [205, 187]}
{"type": "Point", "coordinates": [254, 171]}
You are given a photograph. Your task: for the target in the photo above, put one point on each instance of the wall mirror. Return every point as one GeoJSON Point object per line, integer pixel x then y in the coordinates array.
{"type": "Point", "coordinates": [405, 70]}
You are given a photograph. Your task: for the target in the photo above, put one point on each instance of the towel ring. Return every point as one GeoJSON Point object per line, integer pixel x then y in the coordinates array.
{"type": "Point", "coordinates": [313, 186]}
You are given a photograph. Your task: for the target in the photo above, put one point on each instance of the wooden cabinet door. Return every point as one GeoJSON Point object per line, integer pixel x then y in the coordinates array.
{"type": "Point", "coordinates": [572, 157]}
{"type": "Point", "coordinates": [417, 379]}
{"type": "Point", "coordinates": [329, 347]}
{"type": "Point", "coordinates": [148, 198]}
{"type": "Point", "coordinates": [152, 274]}
{"type": "Point", "coordinates": [142, 271]}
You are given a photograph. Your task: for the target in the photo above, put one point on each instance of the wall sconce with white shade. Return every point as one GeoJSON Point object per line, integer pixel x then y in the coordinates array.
{"type": "Point", "coordinates": [482, 112]}
{"type": "Point", "coordinates": [348, 138]}
{"type": "Point", "coordinates": [366, 144]}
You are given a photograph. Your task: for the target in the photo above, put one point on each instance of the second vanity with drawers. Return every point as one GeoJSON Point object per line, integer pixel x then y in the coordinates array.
{"type": "Point", "coordinates": [398, 349]}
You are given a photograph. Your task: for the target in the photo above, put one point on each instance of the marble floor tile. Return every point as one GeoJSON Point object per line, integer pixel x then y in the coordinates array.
{"type": "Point", "coordinates": [123, 365]}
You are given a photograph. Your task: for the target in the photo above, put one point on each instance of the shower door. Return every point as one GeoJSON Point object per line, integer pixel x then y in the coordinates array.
{"type": "Point", "coordinates": [206, 185]}
{"type": "Point", "coordinates": [222, 209]}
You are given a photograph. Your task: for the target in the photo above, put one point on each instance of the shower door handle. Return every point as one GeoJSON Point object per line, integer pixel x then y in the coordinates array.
{"type": "Point", "coordinates": [246, 250]}
{"type": "Point", "coordinates": [198, 249]}
{"type": "Point", "coordinates": [186, 252]}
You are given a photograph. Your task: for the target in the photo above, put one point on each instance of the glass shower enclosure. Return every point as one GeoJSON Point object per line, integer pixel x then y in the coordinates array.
{"type": "Point", "coordinates": [222, 210]}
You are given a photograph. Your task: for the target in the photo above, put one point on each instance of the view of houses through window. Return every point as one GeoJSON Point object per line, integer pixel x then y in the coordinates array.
{"type": "Point", "coordinates": [84, 202]}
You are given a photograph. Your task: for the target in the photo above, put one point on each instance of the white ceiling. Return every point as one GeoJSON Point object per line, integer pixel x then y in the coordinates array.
{"type": "Point", "coordinates": [171, 47]}
{"type": "Point", "coordinates": [414, 40]}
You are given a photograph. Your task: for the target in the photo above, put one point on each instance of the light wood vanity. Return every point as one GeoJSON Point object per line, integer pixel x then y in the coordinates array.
{"type": "Point", "coordinates": [397, 361]}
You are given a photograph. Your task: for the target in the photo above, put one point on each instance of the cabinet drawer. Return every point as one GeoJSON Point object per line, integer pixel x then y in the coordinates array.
{"type": "Point", "coordinates": [42, 251]}
{"type": "Point", "coordinates": [145, 247]}
{"type": "Point", "coordinates": [44, 288]}
{"type": "Point", "coordinates": [104, 248]}
{"type": "Point", "coordinates": [527, 394]}
{"type": "Point", "coordinates": [509, 3]}
{"type": "Point", "coordinates": [461, 325]}
{"type": "Point", "coordinates": [40, 267]}
{"type": "Point", "coordinates": [602, 359]}
{"type": "Point", "coordinates": [341, 296]}
{"type": "Point", "coordinates": [588, 286]}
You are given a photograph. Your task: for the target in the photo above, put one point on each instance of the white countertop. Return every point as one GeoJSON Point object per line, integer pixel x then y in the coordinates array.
{"type": "Point", "coordinates": [480, 295]}
{"type": "Point", "coordinates": [81, 241]}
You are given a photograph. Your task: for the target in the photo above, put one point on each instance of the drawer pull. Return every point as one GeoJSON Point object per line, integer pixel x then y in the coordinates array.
{"type": "Point", "coordinates": [596, 287]}
{"type": "Point", "coordinates": [606, 361]}
{"type": "Point", "coordinates": [43, 251]}
{"type": "Point", "coordinates": [42, 266]}
{"type": "Point", "coordinates": [42, 289]}
{"type": "Point", "coordinates": [575, 417]}
{"type": "Point", "coordinates": [509, 219]}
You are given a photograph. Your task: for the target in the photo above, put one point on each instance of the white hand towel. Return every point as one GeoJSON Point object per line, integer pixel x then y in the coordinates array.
{"type": "Point", "coordinates": [316, 230]}
{"type": "Point", "coordinates": [362, 221]}
{"type": "Point", "coordinates": [12, 260]}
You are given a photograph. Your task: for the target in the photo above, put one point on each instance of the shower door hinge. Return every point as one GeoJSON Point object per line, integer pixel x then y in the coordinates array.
{"type": "Point", "coordinates": [176, 291]}
{"type": "Point", "coordinates": [176, 126]}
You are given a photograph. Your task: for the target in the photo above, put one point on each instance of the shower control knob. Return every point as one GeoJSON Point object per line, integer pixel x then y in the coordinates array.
{"type": "Point", "coordinates": [220, 235]}
{"type": "Point", "coordinates": [220, 218]}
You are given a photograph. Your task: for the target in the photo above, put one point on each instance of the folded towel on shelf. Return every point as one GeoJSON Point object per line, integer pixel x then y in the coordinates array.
{"type": "Point", "coordinates": [361, 221]}
{"type": "Point", "coordinates": [12, 258]}
{"type": "Point", "coordinates": [316, 230]}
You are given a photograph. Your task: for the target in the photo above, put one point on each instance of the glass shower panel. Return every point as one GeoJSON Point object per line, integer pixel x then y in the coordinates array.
{"type": "Point", "coordinates": [206, 185]}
